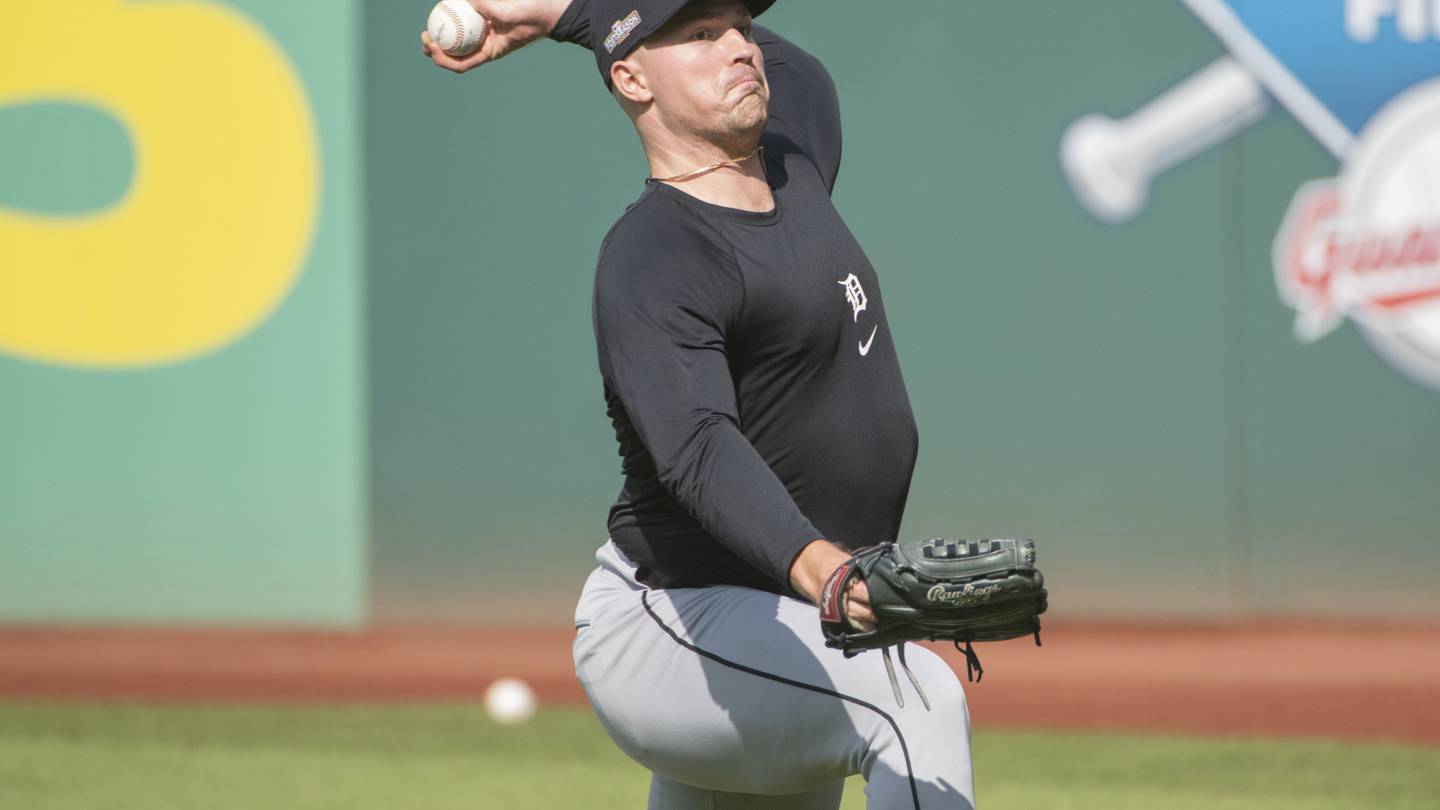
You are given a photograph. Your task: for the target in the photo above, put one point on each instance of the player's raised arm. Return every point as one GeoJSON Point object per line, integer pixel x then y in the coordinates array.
{"type": "Point", "coordinates": [513, 24]}
{"type": "Point", "coordinates": [803, 102]}
{"type": "Point", "coordinates": [574, 25]}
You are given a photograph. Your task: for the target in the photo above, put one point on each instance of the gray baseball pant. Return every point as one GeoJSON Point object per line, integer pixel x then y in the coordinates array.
{"type": "Point", "coordinates": [732, 700]}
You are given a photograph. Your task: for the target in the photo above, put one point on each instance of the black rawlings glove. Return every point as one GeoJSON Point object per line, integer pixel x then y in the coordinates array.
{"type": "Point", "coordinates": [925, 590]}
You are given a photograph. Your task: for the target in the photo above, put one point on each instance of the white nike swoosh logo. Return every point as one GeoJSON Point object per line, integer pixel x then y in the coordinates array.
{"type": "Point", "coordinates": [865, 347]}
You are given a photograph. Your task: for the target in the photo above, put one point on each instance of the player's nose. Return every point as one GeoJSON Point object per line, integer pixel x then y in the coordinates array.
{"type": "Point", "coordinates": [740, 47]}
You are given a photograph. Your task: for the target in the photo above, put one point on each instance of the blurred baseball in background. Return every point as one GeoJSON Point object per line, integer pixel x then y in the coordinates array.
{"type": "Point", "coordinates": [510, 701]}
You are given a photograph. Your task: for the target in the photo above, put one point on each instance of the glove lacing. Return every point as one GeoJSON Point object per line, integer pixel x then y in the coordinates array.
{"type": "Point", "coordinates": [973, 671]}
{"type": "Point", "coordinates": [895, 682]}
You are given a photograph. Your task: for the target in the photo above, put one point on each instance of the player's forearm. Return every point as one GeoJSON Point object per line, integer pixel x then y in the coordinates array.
{"type": "Point", "coordinates": [572, 22]}
{"type": "Point", "coordinates": [813, 565]}
{"type": "Point", "coordinates": [717, 475]}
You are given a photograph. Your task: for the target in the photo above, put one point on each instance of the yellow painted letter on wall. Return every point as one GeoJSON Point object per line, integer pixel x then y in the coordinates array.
{"type": "Point", "coordinates": [219, 216]}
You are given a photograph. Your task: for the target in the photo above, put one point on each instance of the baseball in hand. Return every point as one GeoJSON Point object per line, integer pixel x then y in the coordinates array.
{"type": "Point", "coordinates": [510, 701]}
{"type": "Point", "coordinates": [456, 27]}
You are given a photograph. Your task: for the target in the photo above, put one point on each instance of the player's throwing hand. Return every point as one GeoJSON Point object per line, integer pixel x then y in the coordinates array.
{"type": "Point", "coordinates": [513, 25]}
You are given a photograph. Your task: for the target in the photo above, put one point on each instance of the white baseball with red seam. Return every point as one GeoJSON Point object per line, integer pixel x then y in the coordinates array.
{"type": "Point", "coordinates": [510, 701]}
{"type": "Point", "coordinates": [456, 27]}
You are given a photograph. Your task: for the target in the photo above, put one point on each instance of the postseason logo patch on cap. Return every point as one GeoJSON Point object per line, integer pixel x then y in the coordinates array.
{"type": "Point", "coordinates": [620, 30]}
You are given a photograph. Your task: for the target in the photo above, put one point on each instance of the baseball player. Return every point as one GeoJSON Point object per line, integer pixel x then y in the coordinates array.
{"type": "Point", "coordinates": [763, 426]}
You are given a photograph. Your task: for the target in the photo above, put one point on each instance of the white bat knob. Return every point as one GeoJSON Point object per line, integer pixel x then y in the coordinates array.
{"type": "Point", "coordinates": [1110, 164]}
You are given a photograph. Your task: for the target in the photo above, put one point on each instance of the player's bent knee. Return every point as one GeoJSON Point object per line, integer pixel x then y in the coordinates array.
{"type": "Point", "coordinates": [943, 688]}
{"type": "Point", "coordinates": [947, 697]}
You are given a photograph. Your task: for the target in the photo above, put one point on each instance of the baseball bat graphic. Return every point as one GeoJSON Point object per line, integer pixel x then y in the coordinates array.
{"type": "Point", "coordinates": [1111, 163]}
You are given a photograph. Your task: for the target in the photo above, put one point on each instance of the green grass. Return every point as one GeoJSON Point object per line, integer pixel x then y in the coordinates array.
{"type": "Point", "coordinates": [66, 757]}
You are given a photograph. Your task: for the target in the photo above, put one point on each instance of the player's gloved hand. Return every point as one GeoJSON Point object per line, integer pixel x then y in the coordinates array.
{"type": "Point", "coordinates": [937, 589]}
{"type": "Point", "coordinates": [513, 25]}
{"type": "Point", "coordinates": [814, 564]}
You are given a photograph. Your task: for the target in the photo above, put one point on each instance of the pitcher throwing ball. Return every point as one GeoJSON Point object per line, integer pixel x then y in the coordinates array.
{"type": "Point", "coordinates": [765, 436]}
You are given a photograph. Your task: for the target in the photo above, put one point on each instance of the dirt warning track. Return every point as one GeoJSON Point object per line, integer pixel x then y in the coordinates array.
{"type": "Point", "coordinates": [1285, 679]}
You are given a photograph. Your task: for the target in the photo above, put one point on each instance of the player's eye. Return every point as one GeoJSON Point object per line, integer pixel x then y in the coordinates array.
{"type": "Point", "coordinates": [700, 34]}
{"type": "Point", "coordinates": [745, 31]}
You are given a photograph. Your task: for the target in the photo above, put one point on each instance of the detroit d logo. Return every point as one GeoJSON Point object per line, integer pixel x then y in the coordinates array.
{"type": "Point", "coordinates": [854, 293]}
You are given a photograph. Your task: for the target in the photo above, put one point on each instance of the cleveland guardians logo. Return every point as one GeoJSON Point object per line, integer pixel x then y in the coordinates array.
{"type": "Point", "coordinates": [1363, 76]}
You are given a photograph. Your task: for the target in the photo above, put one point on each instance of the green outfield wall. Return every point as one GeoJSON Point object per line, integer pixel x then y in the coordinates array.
{"type": "Point", "coordinates": [1129, 395]}
{"type": "Point", "coordinates": [436, 448]}
{"type": "Point", "coordinates": [181, 397]}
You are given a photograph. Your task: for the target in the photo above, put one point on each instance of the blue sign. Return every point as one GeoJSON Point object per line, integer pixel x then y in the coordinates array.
{"type": "Point", "coordinates": [1333, 63]}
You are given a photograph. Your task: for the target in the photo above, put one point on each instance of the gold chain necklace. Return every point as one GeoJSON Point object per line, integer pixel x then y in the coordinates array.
{"type": "Point", "coordinates": [697, 172]}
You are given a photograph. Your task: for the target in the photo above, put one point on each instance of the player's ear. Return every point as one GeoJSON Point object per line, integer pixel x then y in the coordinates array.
{"type": "Point", "coordinates": [630, 82]}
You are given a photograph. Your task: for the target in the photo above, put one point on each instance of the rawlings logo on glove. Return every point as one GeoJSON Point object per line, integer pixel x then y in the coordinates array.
{"type": "Point", "coordinates": [938, 589]}
{"type": "Point", "coordinates": [968, 595]}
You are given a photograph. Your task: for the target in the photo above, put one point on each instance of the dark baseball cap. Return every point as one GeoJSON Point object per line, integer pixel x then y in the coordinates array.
{"type": "Point", "coordinates": [617, 27]}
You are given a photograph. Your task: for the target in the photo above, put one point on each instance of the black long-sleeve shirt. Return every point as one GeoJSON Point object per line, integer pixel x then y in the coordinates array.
{"type": "Point", "coordinates": [748, 368]}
